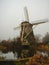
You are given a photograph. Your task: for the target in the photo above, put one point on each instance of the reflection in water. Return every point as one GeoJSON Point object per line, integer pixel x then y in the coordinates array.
{"type": "Point", "coordinates": [11, 55]}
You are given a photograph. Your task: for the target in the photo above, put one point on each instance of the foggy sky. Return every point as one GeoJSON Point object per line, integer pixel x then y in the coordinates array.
{"type": "Point", "coordinates": [12, 14]}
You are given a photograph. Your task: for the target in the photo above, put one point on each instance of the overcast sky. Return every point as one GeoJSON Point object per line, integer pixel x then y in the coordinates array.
{"type": "Point", "coordinates": [12, 14]}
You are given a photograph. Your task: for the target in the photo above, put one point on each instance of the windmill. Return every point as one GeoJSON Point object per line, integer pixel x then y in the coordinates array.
{"type": "Point", "coordinates": [27, 35]}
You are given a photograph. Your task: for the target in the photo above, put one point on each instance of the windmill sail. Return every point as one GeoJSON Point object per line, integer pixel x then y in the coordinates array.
{"type": "Point", "coordinates": [26, 14]}
{"type": "Point", "coordinates": [40, 22]}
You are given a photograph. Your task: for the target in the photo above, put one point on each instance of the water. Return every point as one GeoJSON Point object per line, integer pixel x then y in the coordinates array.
{"type": "Point", "coordinates": [9, 55]}
{"type": "Point", "coordinates": [43, 53]}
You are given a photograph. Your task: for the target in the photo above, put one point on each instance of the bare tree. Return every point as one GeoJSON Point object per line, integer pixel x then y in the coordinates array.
{"type": "Point", "coordinates": [38, 38]}
{"type": "Point", "coordinates": [46, 38]}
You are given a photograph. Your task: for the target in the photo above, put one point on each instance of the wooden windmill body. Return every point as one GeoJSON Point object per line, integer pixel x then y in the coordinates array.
{"type": "Point", "coordinates": [27, 35]}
